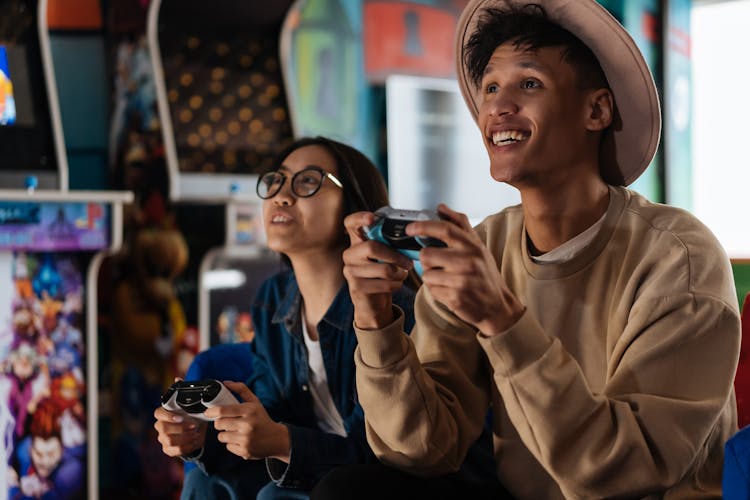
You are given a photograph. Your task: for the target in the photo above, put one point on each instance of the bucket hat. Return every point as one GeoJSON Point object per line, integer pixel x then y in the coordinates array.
{"type": "Point", "coordinates": [630, 143]}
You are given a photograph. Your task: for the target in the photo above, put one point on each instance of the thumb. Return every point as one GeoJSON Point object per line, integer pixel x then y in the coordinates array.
{"type": "Point", "coordinates": [242, 390]}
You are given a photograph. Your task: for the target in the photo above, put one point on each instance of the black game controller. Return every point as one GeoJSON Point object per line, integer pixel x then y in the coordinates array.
{"type": "Point", "coordinates": [193, 398]}
{"type": "Point", "coordinates": [390, 228]}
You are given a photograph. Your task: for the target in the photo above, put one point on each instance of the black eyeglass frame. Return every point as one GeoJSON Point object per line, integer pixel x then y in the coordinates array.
{"type": "Point", "coordinates": [323, 175]}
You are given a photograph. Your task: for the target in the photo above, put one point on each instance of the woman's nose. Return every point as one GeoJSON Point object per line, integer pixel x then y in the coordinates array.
{"type": "Point", "coordinates": [284, 197]}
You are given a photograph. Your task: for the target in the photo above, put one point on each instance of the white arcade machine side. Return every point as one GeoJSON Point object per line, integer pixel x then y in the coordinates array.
{"type": "Point", "coordinates": [230, 275]}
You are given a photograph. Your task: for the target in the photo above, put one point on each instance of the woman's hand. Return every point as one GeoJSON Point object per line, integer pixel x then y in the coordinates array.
{"type": "Point", "coordinates": [177, 434]}
{"type": "Point", "coordinates": [246, 428]}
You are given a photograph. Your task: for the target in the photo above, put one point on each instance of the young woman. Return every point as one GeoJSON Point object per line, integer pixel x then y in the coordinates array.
{"type": "Point", "coordinates": [298, 416]}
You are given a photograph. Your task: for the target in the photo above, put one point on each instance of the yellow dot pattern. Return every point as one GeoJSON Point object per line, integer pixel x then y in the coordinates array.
{"type": "Point", "coordinates": [227, 101]}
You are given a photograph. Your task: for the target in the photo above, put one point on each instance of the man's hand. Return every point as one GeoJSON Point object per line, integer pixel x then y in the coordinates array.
{"type": "Point", "coordinates": [373, 272]}
{"type": "Point", "coordinates": [246, 428]}
{"type": "Point", "coordinates": [464, 276]}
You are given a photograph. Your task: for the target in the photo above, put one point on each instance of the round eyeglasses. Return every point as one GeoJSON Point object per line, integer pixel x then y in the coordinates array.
{"type": "Point", "coordinates": [305, 183]}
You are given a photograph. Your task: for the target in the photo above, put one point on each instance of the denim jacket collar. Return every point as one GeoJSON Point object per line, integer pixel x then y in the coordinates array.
{"type": "Point", "coordinates": [340, 314]}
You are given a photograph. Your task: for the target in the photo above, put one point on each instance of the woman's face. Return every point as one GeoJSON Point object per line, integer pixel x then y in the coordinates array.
{"type": "Point", "coordinates": [297, 226]}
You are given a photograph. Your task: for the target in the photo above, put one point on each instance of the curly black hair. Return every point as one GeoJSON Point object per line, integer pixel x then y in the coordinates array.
{"type": "Point", "coordinates": [528, 27]}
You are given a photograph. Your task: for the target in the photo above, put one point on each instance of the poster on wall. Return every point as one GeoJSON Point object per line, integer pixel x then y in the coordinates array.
{"type": "Point", "coordinates": [42, 383]}
{"type": "Point", "coordinates": [408, 38]}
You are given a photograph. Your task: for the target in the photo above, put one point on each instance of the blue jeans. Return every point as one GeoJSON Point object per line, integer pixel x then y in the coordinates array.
{"type": "Point", "coordinates": [246, 482]}
{"type": "Point", "coordinates": [273, 492]}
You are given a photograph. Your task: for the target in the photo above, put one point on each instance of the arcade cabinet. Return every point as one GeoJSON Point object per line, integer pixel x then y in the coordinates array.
{"type": "Point", "coordinates": [224, 118]}
{"type": "Point", "coordinates": [52, 242]}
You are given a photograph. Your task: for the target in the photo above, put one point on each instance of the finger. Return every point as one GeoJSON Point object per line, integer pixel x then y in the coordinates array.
{"type": "Point", "coordinates": [445, 231]}
{"type": "Point", "coordinates": [374, 251]}
{"type": "Point", "coordinates": [174, 429]}
{"type": "Point", "coordinates": [165, 415]}
{"type": "Point", "coordinates": [457, 218]}
{"type": "Point", "coordinates": [354, 224]}
{"type": "Point", "coordinates": [242, 390]}
{"type": "Point", "coordinates": [452, 260]}
{"type": "Point", "coordinates": [240, 451]}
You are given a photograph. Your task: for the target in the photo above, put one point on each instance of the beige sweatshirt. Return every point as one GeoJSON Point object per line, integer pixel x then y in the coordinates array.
{"type": "Point", "coordinates": [616, 381]}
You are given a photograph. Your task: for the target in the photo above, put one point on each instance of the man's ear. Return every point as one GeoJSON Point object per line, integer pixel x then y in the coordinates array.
{"type": "Point", "coordinates": [600, 108]}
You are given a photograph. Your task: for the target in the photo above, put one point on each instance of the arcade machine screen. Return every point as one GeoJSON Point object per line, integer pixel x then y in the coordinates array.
{"type": "Point", "coordinates": [26, 138]}
{"type": "Point", "coordinates": [44, 253]}
{"type": "Point", "coordinates": [226, 94]}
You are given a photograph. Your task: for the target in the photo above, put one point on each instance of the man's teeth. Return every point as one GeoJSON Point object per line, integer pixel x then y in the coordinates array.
{"type": "Point", "coordinates": [507, 137]}
{"type": "Point", "coordinates": [279, 218]}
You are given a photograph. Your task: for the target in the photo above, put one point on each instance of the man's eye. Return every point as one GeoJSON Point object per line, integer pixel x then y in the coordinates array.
{"type": "Point", "coordinates": [530, 84]}
{"type": "Point", "coordinates": [492, 88]}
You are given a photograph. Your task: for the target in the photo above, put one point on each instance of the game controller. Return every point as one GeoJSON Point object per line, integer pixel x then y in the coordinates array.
{"type": "Point", "coordinates": [193, 398]}
{"type": "Point", "coordinates": [390, 228]}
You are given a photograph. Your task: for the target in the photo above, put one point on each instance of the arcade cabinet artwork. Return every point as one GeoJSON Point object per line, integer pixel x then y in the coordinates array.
{"type": "Point", "coordinates": [44, 248]}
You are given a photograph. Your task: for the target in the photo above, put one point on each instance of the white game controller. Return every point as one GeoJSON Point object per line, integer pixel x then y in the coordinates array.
{"type": "Point", "coordinates": [193, 398]}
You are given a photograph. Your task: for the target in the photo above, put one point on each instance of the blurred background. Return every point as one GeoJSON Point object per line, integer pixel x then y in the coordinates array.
{"type": "Point", "coordinates": [131, 136]}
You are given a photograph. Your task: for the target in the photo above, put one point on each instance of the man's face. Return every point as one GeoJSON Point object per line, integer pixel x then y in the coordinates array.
{"type": "Point", "coordinates": [533, 118]}
{"type": "Point", "coordinates": [46, 455]}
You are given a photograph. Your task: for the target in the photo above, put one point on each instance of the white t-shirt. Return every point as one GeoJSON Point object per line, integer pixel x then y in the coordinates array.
{"type": "Point", "coordinates": [329, 418]}
{"type": "Point", "coordinates": [572, 247]}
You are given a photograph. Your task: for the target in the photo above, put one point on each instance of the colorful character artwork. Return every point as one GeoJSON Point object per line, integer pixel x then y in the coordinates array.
{"type": "Point", "coordinates": [7, 101]}
{"type": "Point", "coordinates": [42, 382]}
{"type": "Point", "coordinates": [233, 326]}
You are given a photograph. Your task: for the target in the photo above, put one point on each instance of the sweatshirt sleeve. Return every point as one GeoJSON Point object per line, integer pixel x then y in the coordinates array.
{"type": "Point", "coordinates": [422, 414]}
{"type": "Point", "coordinates": [667, 386]}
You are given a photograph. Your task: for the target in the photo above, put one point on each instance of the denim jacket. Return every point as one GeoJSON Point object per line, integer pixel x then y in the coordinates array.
{"type": "Point", "coordinates": [280, 379]}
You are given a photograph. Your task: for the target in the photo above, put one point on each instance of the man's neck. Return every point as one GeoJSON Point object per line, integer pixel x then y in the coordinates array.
{"type": "Point", "coordinates": [554, 216]}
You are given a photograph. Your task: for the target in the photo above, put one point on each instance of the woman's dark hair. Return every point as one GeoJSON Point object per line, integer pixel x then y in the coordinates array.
{"type": "Point", "coordinates": [529, 28]}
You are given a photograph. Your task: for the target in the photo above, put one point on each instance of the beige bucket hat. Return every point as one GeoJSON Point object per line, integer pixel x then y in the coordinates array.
{"type": "Point", "coordinates": [631, 142]}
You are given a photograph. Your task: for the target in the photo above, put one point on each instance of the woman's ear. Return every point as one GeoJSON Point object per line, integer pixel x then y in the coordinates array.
{"type": "Point", "coordinates": [600, 108]}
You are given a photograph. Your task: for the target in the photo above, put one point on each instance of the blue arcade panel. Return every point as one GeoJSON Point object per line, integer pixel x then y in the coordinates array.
{"type": "Point", "coordinates": [45, 249]}
{"type": "Point", "coordinates": [52, 227]}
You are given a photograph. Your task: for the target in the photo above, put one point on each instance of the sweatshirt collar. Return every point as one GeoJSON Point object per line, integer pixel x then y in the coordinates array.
{"type": "Point", "coordinates": [617, 200]}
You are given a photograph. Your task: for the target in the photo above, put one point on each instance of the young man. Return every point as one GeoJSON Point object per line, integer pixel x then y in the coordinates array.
{"type": "Point", "coordinates": [602, 329]}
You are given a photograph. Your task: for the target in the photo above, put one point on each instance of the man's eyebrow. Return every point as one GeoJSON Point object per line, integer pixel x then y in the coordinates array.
{"type": "Point", "coordinates": [524, 64]}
